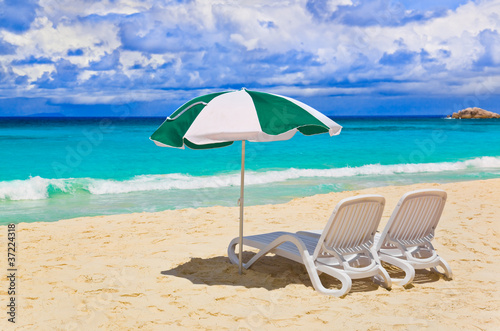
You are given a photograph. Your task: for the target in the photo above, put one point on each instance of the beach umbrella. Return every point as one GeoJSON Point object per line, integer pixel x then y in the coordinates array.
{"type": "Point", "coordinates": [219, 119]}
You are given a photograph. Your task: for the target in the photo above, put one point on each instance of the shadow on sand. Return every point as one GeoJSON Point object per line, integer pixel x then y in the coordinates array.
{"type": "Point", "coordinates": [422, 276]}
{"type": "Point", "coordinates": [272, 272]}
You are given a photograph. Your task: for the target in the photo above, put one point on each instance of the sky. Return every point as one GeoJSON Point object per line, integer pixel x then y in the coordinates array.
{"type": "Point", "coordinates": [343, 57]}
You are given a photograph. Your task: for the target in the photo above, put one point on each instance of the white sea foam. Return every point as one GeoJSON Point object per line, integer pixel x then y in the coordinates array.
{"type": "Point", "coordinates": [160, 182]}
{"type": "Point", "coordinates": [36, 188]}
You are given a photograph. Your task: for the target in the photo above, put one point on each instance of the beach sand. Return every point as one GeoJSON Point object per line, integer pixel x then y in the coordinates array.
{"type": "Point", "coordinates": [169, 270]}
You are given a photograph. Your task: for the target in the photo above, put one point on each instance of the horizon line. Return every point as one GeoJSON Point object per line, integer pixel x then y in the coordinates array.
{"type": "Point", "coordinates": [134, 117]}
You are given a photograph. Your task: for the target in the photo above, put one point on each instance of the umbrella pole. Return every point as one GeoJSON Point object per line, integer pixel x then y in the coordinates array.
{"type": "Point", "coordinates": [242, 186]}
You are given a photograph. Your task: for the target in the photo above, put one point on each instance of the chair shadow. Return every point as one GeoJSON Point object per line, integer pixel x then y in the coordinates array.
{"type": "Point", "coordinates": [270, 272]}
{"type": "Point", "coordinates": [422, 276]}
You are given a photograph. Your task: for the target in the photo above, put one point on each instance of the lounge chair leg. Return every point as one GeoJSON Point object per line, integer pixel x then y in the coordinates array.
{"type": "Point", "coordinates": [256, 257]}
{"type": "Point", "coordinates": [318, 285]}
{"type": "Point", "coordinates": [383, 279]}
{"type": "Point", "coordinates": [314, 269]}
{"type": "Point", "coordinates": [406, 267]}
{"type": "Point", "coordinates": [231, 253]}
{"type": "Point", "coordinates": [234, 258]}
{"type": "Point", "coordinates": [446, 267]}
{"type": "Point", "coordinates": [309, 264]}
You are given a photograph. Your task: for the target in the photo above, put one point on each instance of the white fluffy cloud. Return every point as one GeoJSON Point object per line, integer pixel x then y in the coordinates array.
{"type": "Point", "coordinates": [95, 51]}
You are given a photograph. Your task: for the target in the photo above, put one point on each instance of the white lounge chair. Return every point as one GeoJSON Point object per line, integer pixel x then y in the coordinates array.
{"type": "Point", "coordinates": [344, 250]}
{"type": "Point", "coordinates": [406, 240]}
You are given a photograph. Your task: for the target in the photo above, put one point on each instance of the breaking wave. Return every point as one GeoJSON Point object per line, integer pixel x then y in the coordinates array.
{"type": "Point", "coordinates": [38, 188]}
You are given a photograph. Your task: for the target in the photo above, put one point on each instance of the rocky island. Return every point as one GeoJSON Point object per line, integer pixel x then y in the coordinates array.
{"type": "Point", "coordinates": [474, 112]}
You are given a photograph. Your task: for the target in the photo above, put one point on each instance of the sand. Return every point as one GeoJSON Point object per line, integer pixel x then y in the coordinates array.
{"type": "Point", "coordinates": [169, 270]}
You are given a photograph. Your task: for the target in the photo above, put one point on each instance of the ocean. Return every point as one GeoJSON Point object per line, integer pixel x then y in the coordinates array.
{"type": "Point", "coordinates": [59, 168]}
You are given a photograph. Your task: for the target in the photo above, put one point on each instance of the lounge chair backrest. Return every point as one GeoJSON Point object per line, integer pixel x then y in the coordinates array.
{"type": "Point", "coordinates": [352, 226]}
{"type": "Point", "coordinates": [414, 219]}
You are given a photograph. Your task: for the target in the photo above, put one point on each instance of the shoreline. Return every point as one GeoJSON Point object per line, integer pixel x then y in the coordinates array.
{"type": "Point", "coordinates": [170, 268]}
{"type": "Point", "coordinates": [342, 194]}
{"type": "Point", "coordinates": [70, 205]}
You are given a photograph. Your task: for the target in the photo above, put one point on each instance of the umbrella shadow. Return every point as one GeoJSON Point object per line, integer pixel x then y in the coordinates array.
{"type": "Point", "coordinates": [270, 272]}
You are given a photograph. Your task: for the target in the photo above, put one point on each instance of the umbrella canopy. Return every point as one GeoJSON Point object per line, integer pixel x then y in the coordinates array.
{"type": "Point", "coordinates": [218, 119]}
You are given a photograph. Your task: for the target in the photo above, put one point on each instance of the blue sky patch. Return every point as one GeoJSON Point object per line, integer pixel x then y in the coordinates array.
{"type": "Point", "coordinates": [16, 16]}
{"type": "Point", "coordinates": [341, 56]}
{"type": "Point", "coordinates": [32, 60]}
{"type": "Point", "coordinates": [398, 58]}
{"type": "Point", "coordinates": [6, 48]}
{"type": "Point", "coordinates": [75, 52]}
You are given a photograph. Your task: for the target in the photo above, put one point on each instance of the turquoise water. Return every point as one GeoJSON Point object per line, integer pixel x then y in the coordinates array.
{"type": "Point", "coordinates": [52, 169]}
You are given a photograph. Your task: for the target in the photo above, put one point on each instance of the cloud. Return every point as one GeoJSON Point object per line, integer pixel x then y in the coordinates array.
{"type": "Point", "coordinates": [98, 51]}
{"type": "Point", "coordinates": [64, 75]}
{"type": "Point", "coordinates": [490, 40]}
{"type": "Point", "coordinates": [64, 11]}
{"type": "Point", "coordinates": [157, 39]}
